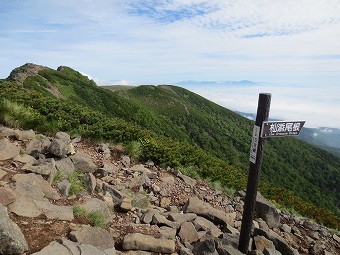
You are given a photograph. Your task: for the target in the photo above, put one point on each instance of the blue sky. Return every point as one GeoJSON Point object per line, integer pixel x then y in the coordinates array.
{"type": "Point", "coordinates": [294, 46]}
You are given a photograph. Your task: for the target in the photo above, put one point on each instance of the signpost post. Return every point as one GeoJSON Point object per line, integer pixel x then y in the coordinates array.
{"type": "Point", "coordinates": [262, 129]}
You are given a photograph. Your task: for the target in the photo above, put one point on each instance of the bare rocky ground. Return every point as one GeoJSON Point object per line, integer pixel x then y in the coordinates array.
{"type": "Point", "coordinates": [142, 208]}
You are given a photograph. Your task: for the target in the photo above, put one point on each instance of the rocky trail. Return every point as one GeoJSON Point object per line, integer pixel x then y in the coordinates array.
{"type": "Point", "coordinates": [71, 196]}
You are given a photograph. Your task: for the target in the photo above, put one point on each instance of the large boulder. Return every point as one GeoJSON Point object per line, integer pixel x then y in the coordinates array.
{"type": "Point", "coordinates": [83, 162]}
{"type": "Point", "coordinates": [8, 150]}
{"type": "Point", "coordinates": [279, 243]}
{"type": "Point", "coordinates": [267, 211]}
{"type": "Point", "coordinates": [61, 145]}
{"type": "Point", "coordinates": [137, 241]}
{"type": "Point", "coordinates": [197, 206]}
{"type": "Point", "coordinates": [12, 240]}
{"type": "Point", "coordinates": [95, 236]}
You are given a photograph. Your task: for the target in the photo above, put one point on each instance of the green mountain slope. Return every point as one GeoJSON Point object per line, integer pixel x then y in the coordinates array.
{"type": "Point", "coordinates": [175, 127]}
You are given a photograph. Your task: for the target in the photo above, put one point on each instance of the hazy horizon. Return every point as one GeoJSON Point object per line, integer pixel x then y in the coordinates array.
{"type": "Point", "coordinates": [290, 48]}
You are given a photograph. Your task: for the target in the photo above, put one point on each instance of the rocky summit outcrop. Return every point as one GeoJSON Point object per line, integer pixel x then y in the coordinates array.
{"type": "Point", "coordinates": [60, 195]}
{"type": "Point", "coordinates": [19, 74]}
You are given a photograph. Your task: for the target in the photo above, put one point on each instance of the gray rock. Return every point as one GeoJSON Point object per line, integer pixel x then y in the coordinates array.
{"type": "Point", "coordinates": [6, 132]}
{"type": "Point", "coordinates": [126, 161]}
{"type": "Point", "coordinates": [2, 174]}
{"type": "Point", "coordinates": [317, 248]}
{"type": "Point", "coordinates": [44, 167]}
{"type": "Point", "coordinates": [95, 204]}
{"type": "Point", "coordinates": [24, 135]}
{"type": "Point", "coordinates": [167, 232]}
{"type": "Point", "coordinates": [12, 240]}
{"type": "Point", "coordinates": [90, 182]}
{"type": "Point", "coordinates": [138, 241]}
{"type": "Point", "coordinates": [206, 247]}
{"type": "Point", "coordinates": [228, 250]}
{"type": "Point", "coordinates": [188, 233]}
{"type": "Point", "coordinates": [8, 150]}
{"type": "Point", "coordinates": [64, 187]}
{"type": "Point", "coordinates": [267, 211]}
{"type": "Point", "coordinates": [268, 251]}
{"type": "Point", "coordinates": [126, 205]}
{"type": "Point", "coordinates": [311, 225]}
{"type": "Point", "coordinates": [261, 243]}
{"type": "Point", "coordinates": [140, 200]}
{"type": "Point", "coordinates": [25, 158]}
{"type": "Point", "coordinates": [35, 186]}
{"type": "Point", "coordinates": [7, 196]}
{"type": "Point", "coordinates": [83, 162]}
{"type": "Point", "coordinates": [187, 180]}
{"type": "Point", "coordinates": [116, 193]}
{"type": "Point", "coordinates": [38, 145]}
{"type": "Point", "coordinates": [228, 239]}
{"type": "Point", "coordinates": [55, 212]}
{"type": "Point", "coordinates": [203, 224]}
{"type": "Point", "coordinates": [159, 219]}
{"type": "Point", "coordinates": [65, 166]}
{"type": "Point", "coordinates": [197, 206]}
{"type": "Point", "coordinates": [54, 248]}
{"type": "Point", "coordinates": [148, 216]}
{"type": "Point", "coordinates": [182, 217]}
{"type": "Point", "coordinates": [336, 238]}
{"type": "Point", "coordinates": [140, 181]}
{"type": "Point", "coordinates": [95, 236]}
{"type": "Point", "coordinates": [279, 243]}
{"type": "Point", "coordinates": [286, 228]}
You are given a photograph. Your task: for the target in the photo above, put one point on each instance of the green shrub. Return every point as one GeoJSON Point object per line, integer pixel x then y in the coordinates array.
{"type": "Point", "coordinates": [96, 219]}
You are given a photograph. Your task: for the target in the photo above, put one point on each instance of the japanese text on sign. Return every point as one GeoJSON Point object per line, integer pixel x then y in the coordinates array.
{"type": "Point", "coordinates": [254, 144]}
{"type": "Point", "coordinates": [281, 128]}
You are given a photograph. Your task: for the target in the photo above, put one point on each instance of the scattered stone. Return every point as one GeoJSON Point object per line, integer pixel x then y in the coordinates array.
{"type": "Point", "coordinates": [141, 181]}
{"type": "Point", "coordinates": [267, 211]}
{"type": "Point", "coordinates": [261, 243]}
{"type": "Point", "coordinates": [205, 210]}
{"type": "Point", "coordinates": [159, 219]}
{"type": "Point", "coordinates": [286, 228]}
{"type": "Point", "coordinates": [64, 187]}
{"type": "Point", "coordinates": [188, 180]}
{"type": "Point", "coordinates": [138, 241]}
{"type": "Point", "coordinates": [65, 166]}
{"type": "Point", "coordinates": [7, 196]}
{"type": "Point", "coordinates": [90, 182]}
{"type": "Point", "coordinates": [279, 243]}
{"type": "Point", "coordinates": [126, 204]}
{"type": "Point", "coordinates": [38, 145]}
{"type": "Point", "coordinates": [204, 224]}
{"type": "Point", "coordinates": [83, 162]}
{"type": "Point", "coordinates": [8, 150]}
{"type": "Point", "coordinates": [165, 202]}
{"type": "Point", "coordinates": [148, 215]}
{"type": "Point", "coordinates": [311, 225]}
{"type": "Point", "coordinates": [182, 217]}
{"type": "Point", "coordinates": [188, 233]}
{"type": "Point", "coordinates": [95, 204]}
{"type": "Point", "coordinates": [269, 251]}
{"type": "Point", "coordinates": [126, 161]}
{"type": "Point", "coordinates": [2, 174]}
{"type": "Point", "coordinates": [23, 135]}
{"type": "Point", "coordinates": [44, 167]}
{"type": "Point", "coordinates": [167, 232]}
{"type": "Point", "coordinates": [336, 238]}
{"type": "Point", "coordinates": [12, 240]}
{"type": "Point", "coordinates": [206, 247]}
{"type": "Point", "coordinates": [25, 158]}
{"type": "Point", "coordinates": [95, 236]}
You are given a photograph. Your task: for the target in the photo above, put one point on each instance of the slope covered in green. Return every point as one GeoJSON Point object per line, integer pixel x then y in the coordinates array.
{"type": "Point", "coordinates": [175, 127]}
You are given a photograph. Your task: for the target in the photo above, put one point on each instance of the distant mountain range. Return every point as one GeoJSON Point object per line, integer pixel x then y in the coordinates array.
{"type": "Point", "coordinates": [323, 137]}
{"type": "Point", "coordinates": [205, 83]}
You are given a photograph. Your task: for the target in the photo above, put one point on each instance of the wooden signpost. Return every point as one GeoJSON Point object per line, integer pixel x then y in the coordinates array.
{"type": "Point", "coordinates": [262, 129]}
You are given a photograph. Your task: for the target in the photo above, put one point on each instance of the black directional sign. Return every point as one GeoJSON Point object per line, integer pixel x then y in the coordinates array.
{"type": "Point", "coordinates": [281, 128]}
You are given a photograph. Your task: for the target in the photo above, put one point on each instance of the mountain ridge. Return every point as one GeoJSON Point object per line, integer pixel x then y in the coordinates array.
{"type": "Point", "coordinates": [125, 116]}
